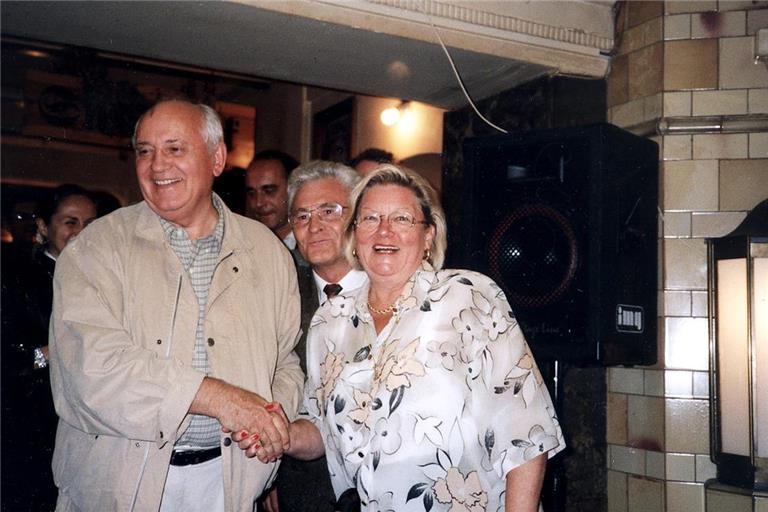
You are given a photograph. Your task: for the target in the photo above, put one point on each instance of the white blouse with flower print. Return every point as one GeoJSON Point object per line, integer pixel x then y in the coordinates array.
{"type": "Point", "coordinates": [432, 413]}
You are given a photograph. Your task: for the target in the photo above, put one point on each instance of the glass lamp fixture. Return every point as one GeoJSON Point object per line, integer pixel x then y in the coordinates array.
{"type": "Point", "coordinates": [390, 116]}
{"type": "Point", "coordinates": [738, 331]}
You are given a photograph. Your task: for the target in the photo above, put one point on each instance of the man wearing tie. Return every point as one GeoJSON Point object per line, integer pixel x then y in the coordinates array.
{"type": "Point", "coordinates": [318, 205]}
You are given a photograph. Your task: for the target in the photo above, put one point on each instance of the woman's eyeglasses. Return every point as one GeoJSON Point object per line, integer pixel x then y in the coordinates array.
{"type": "Point", "coordinates": [400, 222]}
{"type": "Point", "coordinates": [327, 212]}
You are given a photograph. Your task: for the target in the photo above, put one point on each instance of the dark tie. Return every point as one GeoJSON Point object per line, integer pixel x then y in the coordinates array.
{"type": "Point", "coordinates": [332, 289]}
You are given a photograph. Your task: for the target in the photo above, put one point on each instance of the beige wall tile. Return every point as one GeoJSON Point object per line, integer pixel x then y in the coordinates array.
{"type": "Point", "coordinates": [645, 495]}
{"type": "Point", "coordinates": [617, 88]}
{"type": "Point", "coordinates": [738, 69]}
{"type": "Point", "coordinates": [654, 465]}
{"type": "Point", "coordinates": [699, 303]}
{"type": "Point", "coordinates": [687, 426]}
{"type": "Point", "coordinates": [681, 467]}
{"type": "Point", "coordinates": [743, 183]}
{"type": "Point", "coordinates": [654, 383]}
{"type": "Point", "coordinates": [677, 147]}
{"type": "Point", "coordinates": [758, 101]}
{"type": "Point", "coordinates": [710, 103]}
{"type": "Point", "coordinates": [678, 384]}
{"type": "Point", "coordinates": [701, 385]}
{"type": "Point", "coordinates": [758, 145]}
{"type": "Point", "coordinates": [690, 185]}
{"type": "Point", "coordinates": [756, 19]}
{"type": "Point", "coordinates": [625, 380]}
{"type": "Point", "coordinates": [686, 344]}
{"type": "Point", "coordinates": [628, 114]}
{"type": "Point", "coordinates": [645, 71]}
{"type": "Point", "coordinates": [617, 491]}
{"type": "Point", "coordinates": [645, 422]}
{"type": "Point", "coordinates": [685, 264]}
{"type": "Point", "coordinates": [653, 30]}
{"type": "Point", "coordinates": [690, 64]}
{"type": "Point", "coordinates": [675, 7]}
{"type": "Point", "coordinates": [705, 468]}
{"type": "Point", "coordinates": [677, 26]}
{"type": "Point", "coordinates": [677, 225]}
{"type": "Point", "coordinates": [677, 303]}
{"type": "Point", "coordinates": [740, 5]}
{"type": "Point", "coordinates": [721, 501]}
{"type": "Point", "coordinates": [677, 103]}
{"type": "Point", "coordinates": [627, 459]}
{"type": "Point", "coordinates": [715, 224]}
{"type": "Point", "coordinates": [632, 40]}
{"type": "Point", "coordinates": [653, 106]}
{"type": "Point", "coordinates": [718, 24]}
{"type": "Point", "coordinates": [728, 145]}
{"type": "Point", "coordinates": [640, 12]}
{"type": "Point", "coordinates": [685, 497]}
{"type": "Point", "coordinates": [616, 420]}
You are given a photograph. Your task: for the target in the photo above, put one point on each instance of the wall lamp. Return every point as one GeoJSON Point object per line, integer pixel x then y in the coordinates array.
{"type": "Point", "coordinates": [738, 331]}
{"type": "Point", "coordinates": [390, 116]}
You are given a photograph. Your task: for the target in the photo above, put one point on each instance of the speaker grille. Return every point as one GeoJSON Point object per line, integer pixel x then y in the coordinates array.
{"type": "Point", "coordinates": [534, 252]}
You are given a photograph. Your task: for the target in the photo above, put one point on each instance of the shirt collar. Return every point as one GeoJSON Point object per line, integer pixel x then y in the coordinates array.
{"type": "Point", "coordinates": [217, 235]}
{"type": "Point", "coordinates": [353, 280]}
{"type": "Point", "coordinates": [290, 241]}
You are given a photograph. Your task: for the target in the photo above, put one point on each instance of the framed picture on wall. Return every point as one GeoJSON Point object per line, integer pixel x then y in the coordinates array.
{"type": "Point", "coordinates": [332, 132]}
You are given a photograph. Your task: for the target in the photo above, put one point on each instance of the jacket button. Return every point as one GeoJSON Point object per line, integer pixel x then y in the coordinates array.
{"type": "Point", "coordinates": [159, 342]}
{"type": "Point", "coordinates": [161, 434]}
{"type": "Point", "coordinates": [211, 342]}
{"type": "Point", "coordinates": [235, 270]}
{"type": "Point", "coordinates": [227, 441]}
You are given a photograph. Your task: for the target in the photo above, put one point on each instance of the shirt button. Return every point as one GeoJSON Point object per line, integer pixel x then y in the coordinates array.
{"type": "Point", "coordinates": [211, 342]}
{"type": "Point", "coordinates": [235, 270]}
{"type": "Point", "coordinates": [159, 342]}
{"type": "Point", "coordinates": [227, 441]}
{"type": "Point", "coordinates": [161, 434]}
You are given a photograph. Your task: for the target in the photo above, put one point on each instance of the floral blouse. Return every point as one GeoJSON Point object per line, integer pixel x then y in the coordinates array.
{"type": "Point", "coordinates": [433, 412]}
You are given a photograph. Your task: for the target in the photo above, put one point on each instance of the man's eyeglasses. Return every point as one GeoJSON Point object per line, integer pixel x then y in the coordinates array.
{"type": "Point", "coordinates": [368, 222]}
{"type": "Point", "coordinates": [327, 212]}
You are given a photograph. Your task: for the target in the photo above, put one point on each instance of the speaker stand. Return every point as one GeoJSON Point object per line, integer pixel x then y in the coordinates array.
{"type": "Point", "coordinates": [553, 492]}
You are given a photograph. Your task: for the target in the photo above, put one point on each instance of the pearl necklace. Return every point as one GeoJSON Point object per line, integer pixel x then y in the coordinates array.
{"type": "Point", "coordinates": [389, 309]}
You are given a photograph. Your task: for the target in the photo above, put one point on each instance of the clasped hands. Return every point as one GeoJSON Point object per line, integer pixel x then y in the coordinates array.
{"type": "Point", "coordinates": [268, 437]}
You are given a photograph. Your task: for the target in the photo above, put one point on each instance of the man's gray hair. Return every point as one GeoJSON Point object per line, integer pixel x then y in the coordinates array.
{"type": "Point", "coordinates": [318, 170]}
{"type": "Point", "coordinates": [211, 129]}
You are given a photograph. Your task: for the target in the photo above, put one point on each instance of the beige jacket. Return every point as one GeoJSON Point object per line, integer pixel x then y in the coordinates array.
{"type": "Point", "coordinates": [121, 340]}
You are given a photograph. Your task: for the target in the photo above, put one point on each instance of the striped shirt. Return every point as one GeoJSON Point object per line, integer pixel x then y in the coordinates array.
{"type": "Point", "coordinates": [199, 258]}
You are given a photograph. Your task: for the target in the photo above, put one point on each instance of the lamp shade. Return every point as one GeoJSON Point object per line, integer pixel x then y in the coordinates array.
{"type": "Point", "coordinates": [738, 316]}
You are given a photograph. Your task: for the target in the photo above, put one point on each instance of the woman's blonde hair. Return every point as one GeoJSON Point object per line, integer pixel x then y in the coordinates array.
{"type": "Point", "coordinates": [389, 174]}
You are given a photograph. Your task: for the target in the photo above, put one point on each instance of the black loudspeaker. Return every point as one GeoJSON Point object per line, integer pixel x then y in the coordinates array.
{"type": "Point", "coordinates": [565, 221]}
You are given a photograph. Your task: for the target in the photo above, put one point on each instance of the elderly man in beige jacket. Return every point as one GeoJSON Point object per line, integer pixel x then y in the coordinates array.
{"type": "Point", "coordinates": [174, 323]}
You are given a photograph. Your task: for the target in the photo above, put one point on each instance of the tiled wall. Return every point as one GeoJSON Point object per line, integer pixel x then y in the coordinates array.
{"type": "Point", "coordinates": [683, 59]}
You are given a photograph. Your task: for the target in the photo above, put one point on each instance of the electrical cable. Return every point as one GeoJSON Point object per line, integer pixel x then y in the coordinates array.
{"type": "Point", "coordinates": [458, 75]}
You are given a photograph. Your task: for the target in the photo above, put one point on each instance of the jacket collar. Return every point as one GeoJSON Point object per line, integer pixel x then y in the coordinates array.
{"type": "Point", "coordinates": [148, 227]}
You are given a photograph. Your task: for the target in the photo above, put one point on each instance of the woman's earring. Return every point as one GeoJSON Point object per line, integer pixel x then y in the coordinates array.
{"type": "Point", "coordinates": [354, 253]}
{"type": "Point", "coordinates": [427, 254]}
{"type": "Point", "coordinates": [39, 238]}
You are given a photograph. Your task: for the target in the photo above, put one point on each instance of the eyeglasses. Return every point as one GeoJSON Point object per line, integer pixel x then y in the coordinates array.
{"type": "Point", "coordinates": [327, 212]}
{"type": "Point", "coordinates": [368, 222]}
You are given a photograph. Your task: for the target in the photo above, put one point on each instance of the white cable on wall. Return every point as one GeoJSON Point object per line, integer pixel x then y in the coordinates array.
{"type": "Point", "coordinates": [458, 76]}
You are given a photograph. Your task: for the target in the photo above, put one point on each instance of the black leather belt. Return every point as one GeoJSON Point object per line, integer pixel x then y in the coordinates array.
{"type": "Point", "coordinates": [189, 457]}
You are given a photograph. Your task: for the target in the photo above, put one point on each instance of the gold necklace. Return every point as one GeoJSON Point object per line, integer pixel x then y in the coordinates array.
{"type": "Point", "coordinates": [389, 309]}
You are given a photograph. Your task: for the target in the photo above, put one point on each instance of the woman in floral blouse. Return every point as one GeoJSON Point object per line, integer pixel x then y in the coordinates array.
{"type": "Point", "coordinates": [421, 388]}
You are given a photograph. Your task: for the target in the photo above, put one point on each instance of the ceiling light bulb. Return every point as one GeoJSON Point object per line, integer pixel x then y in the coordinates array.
{"type": "Point", "coordinates": [390, 116]}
